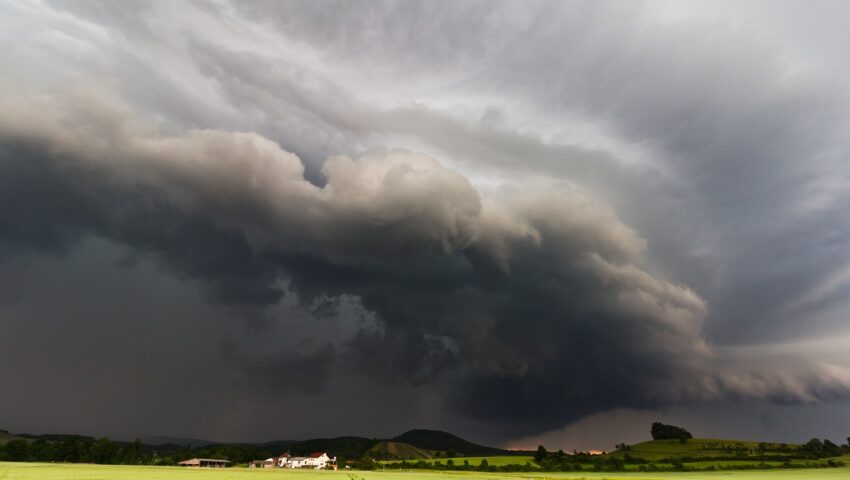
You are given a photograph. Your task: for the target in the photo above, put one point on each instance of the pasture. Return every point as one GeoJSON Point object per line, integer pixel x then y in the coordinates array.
{"type": "Point", "coordinates": [701, 447]}
{"type": "Point", "coordinates": [48, 471]}
{"type": "Point", "coordinates": [497, 460]}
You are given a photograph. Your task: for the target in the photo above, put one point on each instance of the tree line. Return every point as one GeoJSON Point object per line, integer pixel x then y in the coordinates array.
{"type": "Point", "coordinates": [81, 449]}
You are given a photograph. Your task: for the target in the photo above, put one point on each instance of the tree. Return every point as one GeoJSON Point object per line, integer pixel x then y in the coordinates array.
{"type": "Point", "coordinates": [71, 449]}
{"type": "Point", "coordinates": [830, 449]}
{"type": "Point", "coordinates": [541, 453]}
{"type": "Point", "coordinates": [104, 451]}
{"type": "Point", "coordinates": [40, 451]}
{"type": "Point", "coordinates": [661, 431]}
{"type": "Point", "coordinates": [16, 451]}
{"type": "Point", "coordinates": [134, 453]}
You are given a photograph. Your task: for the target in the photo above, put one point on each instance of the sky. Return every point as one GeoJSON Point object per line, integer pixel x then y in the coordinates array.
{"type": "Point", "coordinates": [521, 222]}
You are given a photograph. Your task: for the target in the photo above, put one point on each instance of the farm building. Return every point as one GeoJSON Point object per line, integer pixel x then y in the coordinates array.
{"type": "Point", "coordinates": [316, 460]}
{"type": "Point", "coordinates": [267, 463]}
{"type": "Point", "coordinates": [204, 462]}
{"type": "Point", "coordinates": [319, 460]}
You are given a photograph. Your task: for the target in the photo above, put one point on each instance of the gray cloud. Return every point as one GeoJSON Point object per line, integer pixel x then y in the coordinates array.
{"type": "Point", "coordinates": [498, 204]}
{"type": "Point", "coordinates": [529, 307]}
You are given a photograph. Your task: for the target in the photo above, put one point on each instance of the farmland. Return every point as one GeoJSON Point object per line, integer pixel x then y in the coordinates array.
{"type": "Point", "coordinates": [494, 460]}
{"type": "Point", "coordinates": [46, 471]}
{"type": "Point", "coordinates": [697, 454]}
{"type": "Point", "coordinates": [702, 448]}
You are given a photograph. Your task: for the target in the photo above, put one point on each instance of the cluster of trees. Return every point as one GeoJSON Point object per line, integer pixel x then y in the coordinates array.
{"type": "Point", "coordinates": [567, 462]}
{"type": "Point", "coordinates": [81, 449]}
{"type": "Point", "coordinates": [661, 431]}
{"type": "Point", "coordinates": [817, 448]}
{"type": "Point", "coordinates": [73, 449]}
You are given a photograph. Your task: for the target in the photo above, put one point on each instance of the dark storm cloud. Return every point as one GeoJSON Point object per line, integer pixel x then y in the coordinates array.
{"type": "Point", "coordinates": [743, 131]}
{"type": "Point", "coordinates": [528, 307]}
{"type": "Point", "coordinates": [696, 196]}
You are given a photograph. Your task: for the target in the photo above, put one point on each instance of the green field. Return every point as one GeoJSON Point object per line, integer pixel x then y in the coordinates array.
{"type": "Point", "coordinates": [492, 460]}
{"type": "Point", "coordinates": [46, 471]}
{"type": "Point", "coordinates": [698, 447]}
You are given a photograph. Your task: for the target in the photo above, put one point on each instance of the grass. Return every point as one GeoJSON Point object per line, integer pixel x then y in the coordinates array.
{"type": "Point", "coordinates": [492, 460]}
{"type": "Point", "coordinates": [47, 471]}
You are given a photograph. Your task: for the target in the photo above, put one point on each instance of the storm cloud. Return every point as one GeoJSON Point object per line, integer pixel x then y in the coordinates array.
{"type": "Point", "coordinates": [524, 234]}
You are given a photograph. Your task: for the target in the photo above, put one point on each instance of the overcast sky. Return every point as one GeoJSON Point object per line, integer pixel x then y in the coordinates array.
{"type": "Point", "coordinates": [521, 222]}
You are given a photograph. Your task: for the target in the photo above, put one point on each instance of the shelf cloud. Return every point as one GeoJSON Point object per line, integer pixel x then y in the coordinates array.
{"type": "Point", "coordinates": [508, 218]}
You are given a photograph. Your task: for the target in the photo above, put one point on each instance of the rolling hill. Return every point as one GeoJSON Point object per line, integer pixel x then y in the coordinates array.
{"type": "Point", "coordinates": [343, 447]}
{"type": "Point", "coordinates": [703, 448]}
{"type": "Point", "coordinates": [438, 441]}
{"type": "Point", "coordinates": [390, 450]}
{"type": "Point", "coordinates": [6, 436]}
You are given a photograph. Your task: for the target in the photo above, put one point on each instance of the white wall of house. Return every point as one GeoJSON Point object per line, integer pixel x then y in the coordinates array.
{"type": "Point", "coordinates": [319, 462]}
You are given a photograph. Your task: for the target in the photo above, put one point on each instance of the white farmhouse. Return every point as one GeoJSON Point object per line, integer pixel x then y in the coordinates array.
{"type": "Point", "coordinates": [320, 460]}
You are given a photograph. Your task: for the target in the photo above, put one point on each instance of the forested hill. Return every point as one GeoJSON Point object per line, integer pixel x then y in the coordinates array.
{"type": "Point", "coordinates": [439, 441]}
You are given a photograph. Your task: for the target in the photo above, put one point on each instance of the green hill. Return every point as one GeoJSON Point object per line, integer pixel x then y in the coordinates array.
{"type": "Point", "coordinates": [704, 448]}
{"type": "Point", "coordinates": [437, 441]}
{"type": "Point", "coordinates": [390, 450]}
{"type": "Point", "coordinates": [343, 447]}
{"type": "Point", "coordinates": [6, 436]}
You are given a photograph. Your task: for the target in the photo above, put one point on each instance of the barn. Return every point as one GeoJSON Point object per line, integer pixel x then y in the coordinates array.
{"type": "Point", "coordinates": [204, 462]}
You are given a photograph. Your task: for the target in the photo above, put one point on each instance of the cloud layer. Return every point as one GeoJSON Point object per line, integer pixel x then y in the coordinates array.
{"type": "Point", "coordinates": [528, 307]}
{"type": "Point", "coordinates": [517, 216]}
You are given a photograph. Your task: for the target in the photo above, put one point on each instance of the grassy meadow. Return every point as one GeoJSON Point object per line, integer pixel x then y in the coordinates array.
{"type": "Point", "coordinates": [57, 471]}
{"type": "Point", "coordinates": [699, 447]}
{"type": "Point", "coordinates": [496, 461]}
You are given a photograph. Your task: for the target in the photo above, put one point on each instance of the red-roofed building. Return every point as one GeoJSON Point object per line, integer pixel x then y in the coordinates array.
{"type": "Point", "coordinates": [318, 461]}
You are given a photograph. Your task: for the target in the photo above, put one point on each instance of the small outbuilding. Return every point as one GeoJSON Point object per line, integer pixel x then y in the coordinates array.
{"type": "Point", "coordinates": [204, 462]}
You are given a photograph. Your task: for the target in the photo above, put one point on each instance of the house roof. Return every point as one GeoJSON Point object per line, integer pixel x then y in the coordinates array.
{"type": "Point", "coordinates": [316, 454]}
